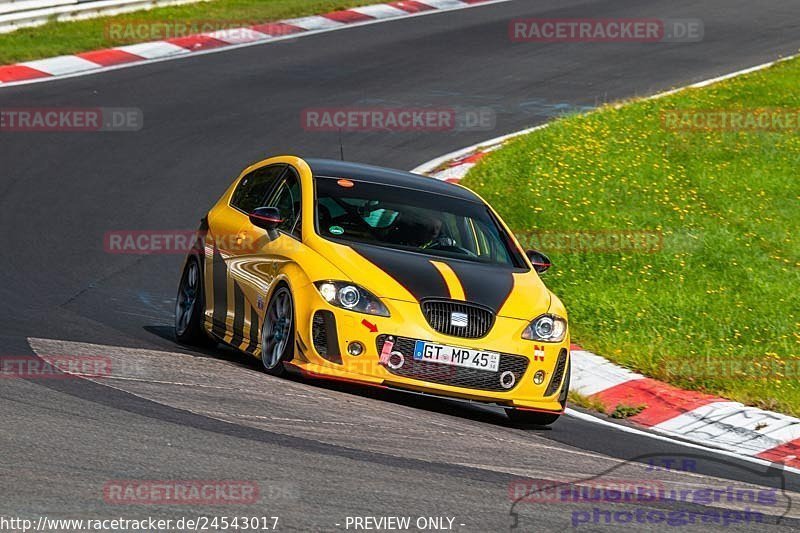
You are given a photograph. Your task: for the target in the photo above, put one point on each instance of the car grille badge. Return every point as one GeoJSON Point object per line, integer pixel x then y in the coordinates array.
{"type": "Point", "coordinates": [459, 320]}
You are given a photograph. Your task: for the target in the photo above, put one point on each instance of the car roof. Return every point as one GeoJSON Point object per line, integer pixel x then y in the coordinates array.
{"type": "Point", "coordinates": [388, 176]}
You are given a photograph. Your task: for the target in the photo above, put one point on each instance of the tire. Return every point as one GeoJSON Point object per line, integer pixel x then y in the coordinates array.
{"type": "Point", "coordinates": [531, 418]}
{"type": "Point", "coordinates": [562, 398]}
{"type": "Point", "coordinates": [190, 304]}
{"type": "Point", "coordinates": [277, 333]}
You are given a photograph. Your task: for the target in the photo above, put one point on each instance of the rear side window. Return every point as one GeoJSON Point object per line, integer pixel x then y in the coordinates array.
{"type": "Point", "coordinates": [252, 191]}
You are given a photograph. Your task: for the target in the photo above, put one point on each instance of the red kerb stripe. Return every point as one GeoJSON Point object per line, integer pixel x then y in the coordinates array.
{"type": "Point", "coordinates": [109, 57]}
{"type": "Point", "coordinates": [20, 72]}
{"type": "Point", "coordinates": [662, 401]}
{"type": "Point", "coordinates": [787, 453]}
{"type": "Point", "coordinates": [197, 42]}
{"type": "Point", "coordinates": [348, 16]}
{"type": "Point", "coordinates": [411, 6]}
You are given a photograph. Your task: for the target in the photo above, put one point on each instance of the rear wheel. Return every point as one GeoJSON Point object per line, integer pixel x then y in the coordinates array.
{"type": "Point", "coordinates": [277, 334]}
{"type": "Point", "coordinates": [189, 305]}
{"type": "Point", "coordinates": [533, 418]}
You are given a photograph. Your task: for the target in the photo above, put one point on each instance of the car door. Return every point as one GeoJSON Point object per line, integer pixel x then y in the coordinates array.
{"type": "Point", "coordinates": [255, 272]}
{"type": "Point", "coordinates": [226, 244]}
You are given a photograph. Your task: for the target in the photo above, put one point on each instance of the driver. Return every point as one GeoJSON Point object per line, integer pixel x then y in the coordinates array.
{"type": "Point", "coordinates": [435, 235]}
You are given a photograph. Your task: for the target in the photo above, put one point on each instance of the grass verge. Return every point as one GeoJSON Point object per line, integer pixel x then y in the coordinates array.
{"type": "Point", "coordinates": [587, 402]}
{"type": "Point", "coordinates": [715, 305]}
{"type": "Point", "coordinates": [58, 38]}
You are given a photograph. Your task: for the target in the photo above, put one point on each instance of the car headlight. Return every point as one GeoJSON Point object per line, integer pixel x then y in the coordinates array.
{"type": "Point", "coordinates": [351, 297]}
{"type": "Point", "coordinates": [546, 328]}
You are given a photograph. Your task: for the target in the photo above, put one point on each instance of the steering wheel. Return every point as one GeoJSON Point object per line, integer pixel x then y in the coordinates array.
{"type": "Point", "coordinates": [447, 244]}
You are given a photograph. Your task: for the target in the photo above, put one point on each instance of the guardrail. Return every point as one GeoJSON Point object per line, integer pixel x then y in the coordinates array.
{"type": "Point", "coordinates": [15, 14]}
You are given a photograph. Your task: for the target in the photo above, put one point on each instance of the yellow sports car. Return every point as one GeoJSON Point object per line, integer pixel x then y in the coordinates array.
{"type": "Point", "coordinates": [382, 277]}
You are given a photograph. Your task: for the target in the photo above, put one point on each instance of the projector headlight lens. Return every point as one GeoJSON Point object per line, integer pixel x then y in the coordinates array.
{"type": "Point", "coordinates": [546, 328]}
{"type": "Point", "coordinates": [351, 297]}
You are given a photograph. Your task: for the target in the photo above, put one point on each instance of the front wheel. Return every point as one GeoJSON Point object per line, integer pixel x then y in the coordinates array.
{"type": "Point", "coordinates": [533, 418]}
{"type": "Point", "coordinates": [277, 334]}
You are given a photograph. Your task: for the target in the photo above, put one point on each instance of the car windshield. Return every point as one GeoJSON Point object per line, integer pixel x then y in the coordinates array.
{"type": "Point", "coordinates": [411, 220]}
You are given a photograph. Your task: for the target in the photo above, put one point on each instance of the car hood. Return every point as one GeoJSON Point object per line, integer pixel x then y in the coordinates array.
{"type": "Point", "coordinates": [408, 276]}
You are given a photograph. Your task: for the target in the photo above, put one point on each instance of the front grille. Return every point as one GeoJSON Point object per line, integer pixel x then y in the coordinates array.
{"type": "Point", "coordinates": [454, 375]}
{"type": "Point", "coordinates": [558, 373]}
{"type": "Point", "coordinates": [439, 314]}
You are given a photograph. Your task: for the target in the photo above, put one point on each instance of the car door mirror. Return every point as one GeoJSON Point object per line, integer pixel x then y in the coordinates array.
{"type": "Point", "coordinates": [541, 263]}
{"type": "Point", "coordinates": [268, 218]}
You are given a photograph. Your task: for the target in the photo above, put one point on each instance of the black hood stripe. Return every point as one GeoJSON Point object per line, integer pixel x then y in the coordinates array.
{"type": "Point", "coordinates": [412, 271]}
{"type": "Point", "coordinates": [489, 286]}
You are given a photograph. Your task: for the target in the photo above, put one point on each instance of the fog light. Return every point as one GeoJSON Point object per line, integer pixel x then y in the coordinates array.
{"type": "Point", "coordinates": [538, 377]}
{"type": "Point", "coordinates": [355, 348]}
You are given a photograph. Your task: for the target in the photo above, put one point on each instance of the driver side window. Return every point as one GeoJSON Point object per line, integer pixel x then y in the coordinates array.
{"type": "Point", "coordinates": [253, 189]}
{"type": "Point", "coordinates": [287, 198]}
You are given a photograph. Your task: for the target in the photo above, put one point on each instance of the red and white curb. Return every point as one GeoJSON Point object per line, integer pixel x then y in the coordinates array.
{"type": "Point", "coordinates": [135, 54]}
{"type": "Point", "coordinates": [694, 417]}
{"type": "Point", "coordinates": [697, 417]}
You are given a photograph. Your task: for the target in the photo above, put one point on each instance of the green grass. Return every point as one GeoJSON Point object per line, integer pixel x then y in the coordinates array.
{"type": "Point", "coordinates": [724, 290]}
{"type": "Point", "coordinates": [620, 411]}
{"type": "Point", "coordinates": [57, 38]}
{"type": "Point", "coordinates": [623, 411]}
{"type": "Point", "coordinates": [587, 402]}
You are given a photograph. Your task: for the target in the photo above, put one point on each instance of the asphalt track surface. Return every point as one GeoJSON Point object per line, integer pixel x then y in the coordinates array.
{"type": "Point", "coordinates": [319, 452]}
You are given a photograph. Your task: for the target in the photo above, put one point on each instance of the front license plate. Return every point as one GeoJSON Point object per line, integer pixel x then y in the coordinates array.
{"type": "Point", "coordinates": [450, 355]}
